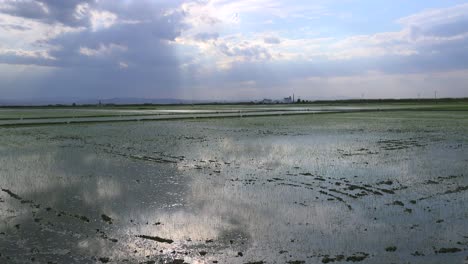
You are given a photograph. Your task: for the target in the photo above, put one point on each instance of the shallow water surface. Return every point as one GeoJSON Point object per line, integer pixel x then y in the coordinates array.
{"type": "Point", "coordinates": [357, 187]}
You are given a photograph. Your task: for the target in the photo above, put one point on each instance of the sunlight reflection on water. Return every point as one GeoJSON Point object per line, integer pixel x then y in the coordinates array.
{"type": "Point", "coordinates": [267, 189]}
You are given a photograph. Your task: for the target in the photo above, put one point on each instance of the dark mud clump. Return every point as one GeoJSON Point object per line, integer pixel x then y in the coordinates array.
{"type": "Point", "coordinates": [353, 187]}
{"type": "Point", "coordinates": [13, 195]}
{"type": "Point", "coordinates": [387, 182]}
{"type": "Point", "coordinates": [391, 249]}
{"type": "Point", "coordinates": [357, 257]}
{"type": "Point", "coordinates": [328, 259]}
{"type": "Point", "coordinates": [104, 260]}
{"type": "Point", "coordinates": [83, 218]}
{"type": "Point", "coordinates": [177, 261]}
{"type": "Point", "coordinates": [457, 190]}
{"type": "Point", "coordinates": [398, 144]}
{"type": "Point", "coordinates": [417, 254]}
{"type": "Point", "coordinates": [106, 219]}
{"type": "Point", "coordinates": [447, 250]}
{"type": "Point", "coordinates": [157, 239]}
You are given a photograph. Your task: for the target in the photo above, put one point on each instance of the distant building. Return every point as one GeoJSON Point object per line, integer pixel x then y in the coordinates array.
{"type": "Point", "coordinates": [286, 100]}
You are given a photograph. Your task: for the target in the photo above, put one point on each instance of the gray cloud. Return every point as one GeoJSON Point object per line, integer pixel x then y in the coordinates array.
{"type": "Point", "coordinates": [135, 55]}
{"type": "Point", "coordinates": [448, 29]}
{"type": "Point", "coordinates": [24, 8]}
{"type": "Point", "coordinates": [206, 36]}
{"type": "Point", "coordinates": [130, 58]}
{"type": "Point", "coordinates": [250, 52]}
{"type": "Point", "coordinates": [49, 11]}
{"type": "Point", "coordinates": [438, 47]}
{"type": "Point", "coordinates": [14, 27]}
{"type": "Point", "coordinates": [272, 40]}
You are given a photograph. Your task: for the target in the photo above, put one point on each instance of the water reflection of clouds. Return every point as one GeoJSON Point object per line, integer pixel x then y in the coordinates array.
{"type": "Point", "coordinates": [78, 183]}
{"type": "Point", "coordinates": [258, 213]}
{"type": "Point", "coordinates": [267, 215]}
{"type": "Point", "coordinates": [32, 172]}
{"type": "Point", "coordinates": [192, 204]}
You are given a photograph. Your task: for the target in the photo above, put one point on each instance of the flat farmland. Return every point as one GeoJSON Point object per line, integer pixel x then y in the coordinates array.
{"type": "Point", "coordinates": [326, 185]}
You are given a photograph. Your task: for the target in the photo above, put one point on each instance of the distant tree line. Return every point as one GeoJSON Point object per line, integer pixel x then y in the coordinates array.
{"type": "Point", "coordinates": [299, 101]}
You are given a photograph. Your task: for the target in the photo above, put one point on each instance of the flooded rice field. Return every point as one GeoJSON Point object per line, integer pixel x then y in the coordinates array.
{"type": "Point", "coordinates": [69, 115]}
{"type": "Point", "coordinates": [368, 187]}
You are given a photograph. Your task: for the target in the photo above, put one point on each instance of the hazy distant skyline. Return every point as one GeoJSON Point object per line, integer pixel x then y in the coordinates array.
{"type": "Point", "coordinates": [233, 50]}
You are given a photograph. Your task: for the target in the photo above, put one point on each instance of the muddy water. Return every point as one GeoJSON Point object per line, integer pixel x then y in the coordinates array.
{"type": "Point", "coordinates": [362, 187]}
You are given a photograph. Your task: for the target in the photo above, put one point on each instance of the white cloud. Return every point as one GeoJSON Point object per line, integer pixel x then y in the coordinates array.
{"type": "Point", "coordinates": [102, 19]}
{"type": "Point", "coordinates": [370, 85]}
{"type": "Point", "coordinates": [420, 34]}
{"type": "Point", "coordinates": [27, 38]}
{"type": "Point", "coordinates": [271, 40]}
{"type": "Point", "coordinates": [230, 49]}
{"type": "Point", "coordinates": [238, 43]}
{"type": "Point", "coordinates": [374, 84]}
{"type": "Point", "coordinates": [123, 65]}
{"type": "Point", "coordinates": [202, 16]}
{"type": "Point", "coordinates": [28, 31]}
{"type": "Point", "coordinates": [81, 11]}
{"type": "Point", "coordinates": [99, 19]}
{"type": "Point", "coordinates": [433, 17]}
{"type": "Point", "coordinates": [37, 54]}
{"type": "Point", "coordinates": [421, 31]}
{"type": "Point", "coordinates": [212, 12]}
{"type": "Point", "coordinates": [102, 50]}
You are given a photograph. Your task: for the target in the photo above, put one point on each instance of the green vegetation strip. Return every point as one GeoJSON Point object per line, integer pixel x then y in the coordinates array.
{"type": "Point", "coordinates": [213, 115]}
{"type": "Point", "coordinates": [148, 114]}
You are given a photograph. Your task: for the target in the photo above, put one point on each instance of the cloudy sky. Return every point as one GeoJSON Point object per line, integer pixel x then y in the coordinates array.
{"type": "Point", "coordinates": [233, 50]}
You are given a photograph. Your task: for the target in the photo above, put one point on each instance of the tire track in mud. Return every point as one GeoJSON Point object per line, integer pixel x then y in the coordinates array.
{"type": "Point", "coordinates": [442, 180]}
{"type": "Point", "coordinates": [35, 205]}
{"type": "Point", "coordinates": [160, 157]}
{"type": "Point", "coordinates": [337, 189]}
{"type": "Point", "coordinates": [48, 224]}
